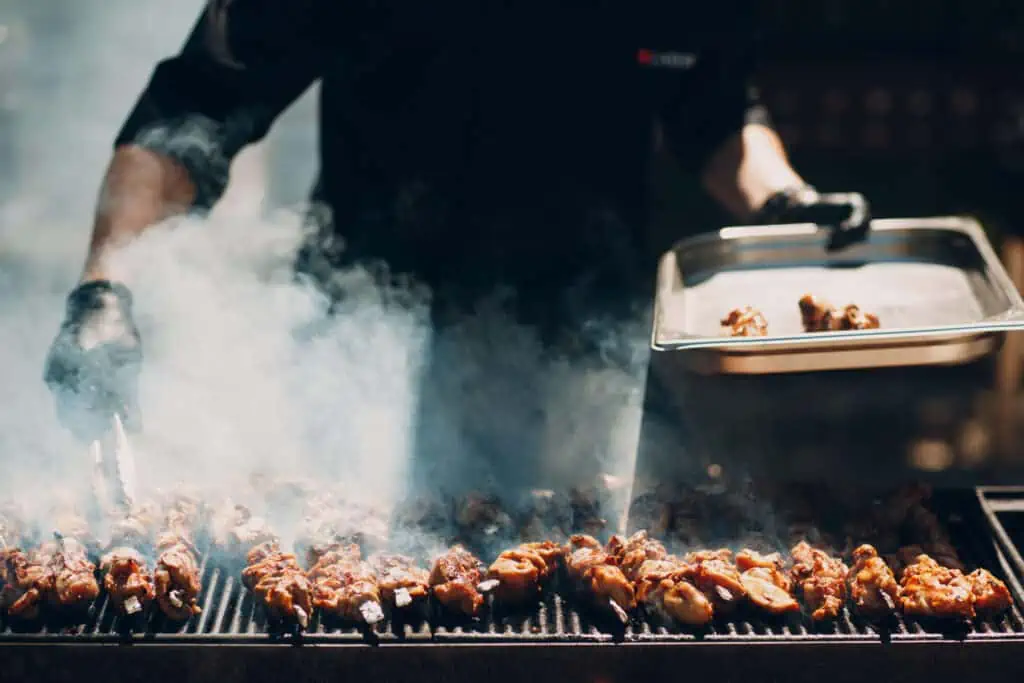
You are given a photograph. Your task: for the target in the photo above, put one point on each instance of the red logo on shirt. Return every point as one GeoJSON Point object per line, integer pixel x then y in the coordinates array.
{"type": "Point", "coordinates": [644, 56]}
{"type": "Point", "coordinates": [665, 60]}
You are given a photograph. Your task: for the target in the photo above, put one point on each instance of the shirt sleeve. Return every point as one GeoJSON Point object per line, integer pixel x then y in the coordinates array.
{"type": "Point", "coordinates": [714, 101]}
{"type": "Point", "coordinates": [244, 63]}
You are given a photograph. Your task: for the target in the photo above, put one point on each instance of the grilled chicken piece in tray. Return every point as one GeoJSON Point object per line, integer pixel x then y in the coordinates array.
{"type": "Point", "coordinates": [717, 577]}
{"type": "Point", "coordinates": [873, 588]}
{"type": "Point", "coordinates": [820, 579]}
{"type": "Point", "coordinates": [745, 322]}
{"type": "Point", "coordinates": [403, 584]}
{"type": "Point", "coordinates": [344, 586]}
{"type": "Point", "coordinates": [278, 582]}
{"type": "Point", "coordinates": [518, 576]}
{"type": "Point", "coordinates": [454, 580]}
{"type": "Point", "coordinates": [820, 316]}
{"type": "Point", "coordinates": [663, 583]}
{"type": "Point", "coordinates": [594, 574]}
{"type": "Point", "coordinates": [766, 583]}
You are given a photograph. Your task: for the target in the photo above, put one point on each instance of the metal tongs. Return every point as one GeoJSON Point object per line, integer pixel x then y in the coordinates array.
{"type": "Point", "coordinates": [113, 482]}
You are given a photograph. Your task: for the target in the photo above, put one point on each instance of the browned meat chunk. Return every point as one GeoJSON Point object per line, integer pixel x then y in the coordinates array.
{"type": "Point", "coordinates": [820, 316]}
{"type": "Point", "coordinates": [74, 576]}
{"type": "Point", "coordinates": [594, 573]}
{"type": "Point", "coordinates": [873, 586]}
{"type": "Point", "coordinates": [177, 578]}
{"type": "Point", "coordinates": [821, 580]}
{"type": "Point", "coordinates": [401, 581]}
{"type": "Point", "coordinates": [26, 581]}
{"type": "Point", "coordinates": [127, 580]}
{"type": "Point", "coordinates": [745, 322]}
{"type": "Point", "coordinates": [346, 586]}
{"type": "Point", "coordinates": [521, 572]}
{"type": "Point", "coordinates": [928, 589]}
{"type": "Point", "coordinates": [715, 574]}
{"type": "Point", "coordinates": [454, 580]}
{"type": "Point", "coordinates": [278, 582]}
{"type": "Point", "coordinates": [991, 595]}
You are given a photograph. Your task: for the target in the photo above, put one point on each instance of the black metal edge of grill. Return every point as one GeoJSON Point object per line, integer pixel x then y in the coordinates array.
{"type": "Point", "coordinates": [230, 640]}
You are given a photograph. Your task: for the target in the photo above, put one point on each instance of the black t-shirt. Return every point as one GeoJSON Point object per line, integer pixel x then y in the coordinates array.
{"type": "Point", "coordinates": [480, 141]}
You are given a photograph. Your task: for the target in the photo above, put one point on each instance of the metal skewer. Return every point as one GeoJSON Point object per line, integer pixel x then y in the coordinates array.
{"type": "Point", "coordinates": [402, 597]}
{"type": "Point", "coordinates": [371, 612]}
{"type": "Point", "coordinates": [619, 612]}
{"type": "Point", "coordinates": [488, 585]}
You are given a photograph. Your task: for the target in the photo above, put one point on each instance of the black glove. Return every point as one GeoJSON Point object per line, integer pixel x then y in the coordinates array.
{"type": "Point", "coordinates": [847, 214]}
{"type": "Point", "coordinates": [93, 364]}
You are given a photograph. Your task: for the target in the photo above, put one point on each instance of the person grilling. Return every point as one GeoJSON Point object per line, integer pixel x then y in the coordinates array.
{"type": "Point", "coordinates": [472, 146]}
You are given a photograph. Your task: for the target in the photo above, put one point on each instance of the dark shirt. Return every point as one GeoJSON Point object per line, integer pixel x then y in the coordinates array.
{"type": "Point", "coordinates": [484, 142]}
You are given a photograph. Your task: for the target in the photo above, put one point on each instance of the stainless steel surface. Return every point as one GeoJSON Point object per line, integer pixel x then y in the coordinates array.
{"type": "Point", "coordinates": [113, 469]}
{"type": "Point", "coordinates": [941, 292]}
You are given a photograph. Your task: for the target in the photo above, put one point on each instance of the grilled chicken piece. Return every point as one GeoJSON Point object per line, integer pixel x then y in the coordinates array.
{"type": "Point", "coordinates": [715, 574]}
{"type": "Point", "coordinates": [544, 513]}
{"type": "Point", "coordinates": [928, 589]}
{"type": "Point", "coordinates": [873, 587]}
{"type": "Point", "coordinates": [991, 596]}
{"type": "Point", "coordinates": [745, 322]}
{"type": "Point", "coordinates": [402, 583]}
{"type": "Point", "coordinates": [482, 522]}
{"type": "Point", "coordinates": [127, 580]}
{"type": "Point", "coordinates": [177, 577]}
{"type": "Point", "coordinates": [764, 579]}
{"type": "Point", "coordinates": [234, 530]}
{"type": "Point", "coordinates": [820, 316]}
{"type": "Point", "coordinates": [662, 582]}
{"type": "Point", "coordinates": [74, 576]}
{"type": "Point", "coordinates": [26, 581]}
{"type": "Point", "coordinates": [454, 580]}
{"type": "Point", "coordinates": [345, 586]}
{"type": "Point", "coordinates": [594, 573]}
{"type": "Point", "coordinates": [521, 573]}
{"type": "Point", "coordinates": [821, 580]}
{"type": "Point", "coordinates": [276, 580]}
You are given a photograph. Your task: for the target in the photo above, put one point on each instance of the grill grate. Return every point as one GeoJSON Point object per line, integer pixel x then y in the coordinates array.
{"type": "Point", "coordinates": [230, 615]}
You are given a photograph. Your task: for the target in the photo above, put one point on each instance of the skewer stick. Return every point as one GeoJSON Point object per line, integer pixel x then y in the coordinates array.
{"type": "Point", "coordinates": [888, 601]}
{"type": "Point", "coordinates": [619, 612]}
{"type": "Point", "coordinates": [371, 612]}
{"type": "Point", "coordinates": [488, 585]}
{"type": "Point", "coordinates": [174, 597]}
{"type": "Point", "coordinates": [403, 597]}
{"type": "Point", "coordinates": [301, 616]}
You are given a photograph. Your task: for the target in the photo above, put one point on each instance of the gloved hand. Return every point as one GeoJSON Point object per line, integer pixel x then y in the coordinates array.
{"type": "Point", "coordinates": [847, 214]}
{"type": "Point", "coordinates": [93, 365]}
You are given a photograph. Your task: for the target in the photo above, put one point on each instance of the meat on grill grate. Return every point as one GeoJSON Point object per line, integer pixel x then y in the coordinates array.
{"type": "Point", "coordinates": [454, 580]}
{"type": "Point", "coordinates": [345, 586]}
{"type": "Point", "coordinates": [277, 580]}
{"type": "Point", "coordinates": [820, 579]}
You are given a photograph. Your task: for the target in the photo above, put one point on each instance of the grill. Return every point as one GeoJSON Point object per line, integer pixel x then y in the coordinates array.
{"type": "Point", "coordinates": [558, 641]}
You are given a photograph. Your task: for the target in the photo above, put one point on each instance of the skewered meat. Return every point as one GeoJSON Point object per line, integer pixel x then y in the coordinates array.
{"type": "Point", "coordinates": [482, 523]}
{"type": "Point", "coordinates": [820, 316]}
{"type": "Point", "coordinates": [345, 586]}
{"type": "Point", "coordinates": [745, 322]}
{"type": "Point", "coordinates": [544, 513]}
{"type": "Point", "coordinates": [177, 577]}
{"type": "Point", "coordinates": [278, 582]}
{"type": "Point", "coordinates": [715, 574]}
{"type": "Point", "coordinates": [594, 572]}
{"type": "Point", "coordinates": [234, 529]}
{"type": "Point", "coordinates": [928, 589]}
{"type": "Point", "coordinates": [74, 576]}
{"type": "Point", "coordinates": [662, 582]}
{"type": "Point", "coordinates": [821, 579]}
{"type": "Point", "coordinates": [127, 580]}
{"type": "Point", "coordinates": [991, 595]}
{"type": "Point", "coordinates": [873, 588]}
{"type": "Point", "coordinates": [26, 580]}
{"type": "Point", "coordinates": [402, 583]}
{"type": "Point", "coordinates": [765, 582]}
{"type": "Point", "coordinates": [454, 580]}
{"type": "Point", "coordinates": [520, 573]}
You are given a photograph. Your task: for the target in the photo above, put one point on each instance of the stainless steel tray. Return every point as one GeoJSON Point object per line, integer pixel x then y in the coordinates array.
{"type": "Point", "coordinates": [936, 283]}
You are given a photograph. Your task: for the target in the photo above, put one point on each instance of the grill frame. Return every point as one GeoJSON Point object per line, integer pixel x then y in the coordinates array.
{"type": "Point", "coordinates": [229, 641]}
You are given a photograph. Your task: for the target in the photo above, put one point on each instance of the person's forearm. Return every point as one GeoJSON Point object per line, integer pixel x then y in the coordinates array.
{"type": "Point", "coordinates": [745, 171]}
{"type": "Point", "coordinates": [141, 189]}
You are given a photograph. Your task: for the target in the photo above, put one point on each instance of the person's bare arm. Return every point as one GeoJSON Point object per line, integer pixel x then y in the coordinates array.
{"type": "Point", "coordinates": [141, 189]}
{"type": "Point", "coordinates": [747, 169]}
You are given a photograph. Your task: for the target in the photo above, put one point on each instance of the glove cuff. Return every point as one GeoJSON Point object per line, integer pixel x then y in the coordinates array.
{"type": "Point", "coordinates": [783, 202]}
{"type": "Point", "coordinates": [96, 295]}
